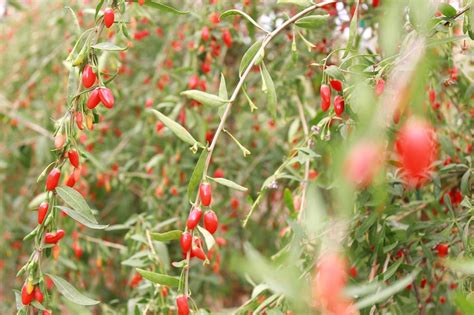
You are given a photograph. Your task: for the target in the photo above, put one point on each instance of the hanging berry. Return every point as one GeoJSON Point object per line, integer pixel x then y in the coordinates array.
{"type": "Point", "coordinates": [88, 77]}
{"type": "Point", "coordinates": [210, 221]}
{"type": "Point", "coordinates": [205, 193]}
{"type": "Point", "coordinates": [185, 241]}
{"type": "Point", "coordinates": [42, 211]}
{"type": "Point", "coordinates": [338, 105]}
{"type": "Point", "coordinates": [94, 99]}
{"type": "Point", "coordinates": [109, 17]}
{"type": "Point", "coordinates": [325, 92]}
{"type": "Point", "coordinates": [336, 85]}
{"type": "Point", "coordinates": [26, 297]}
{"type": "Point", "coordinates": [53, 237]}
{"type": "Point", "coordinates": [194, 218]}
{"type": "Point", "coordinates": [73, 158]}
{"type": "Point", "coordinates": [53, 179]}
{"type": "Point", "coordinates": [106, 97]}
{"type": "Point", "coordinates": [182, 304]}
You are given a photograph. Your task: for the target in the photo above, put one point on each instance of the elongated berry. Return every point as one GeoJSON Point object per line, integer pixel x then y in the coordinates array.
{"type": "Point", "coordinates": [79, 120]}
{"type": "Point", "coordinates": [59, 141]}
{"type": "Point", "coordinates": [442, 250]}
{"type": "Point", "coordinates": [73, 158]}
{"type": "Point", "coordinates": [325, 92]}
{"type": "Point", "coordinates": [198, 252]}
{"type": "Point", "coordinates": [194, 218]}
{"type": "Point", "coordinates": [205, 193]}
{"type": "Point", "coordinates": [42, 211]}
{"type": "Point", "coordinates": [88, 77]}
{"type": "Point", "coordinates": [38, 295]}
{"type": "Point", "coordinates": [106, 97]}
{"type": "Point", "coordinates": [182, 304]}
{"type": "Point", "coordinates": [53, 179]}
{"type": "Point", "coordinates": [205, 33]}
{"type": "Point", "coordinates": [210, 221]}
{"type": "Point", "coordinates": [336, 85]}
{"type": "Point", "coordinates": [94, 99]}
{"type": "Point", "coordinates": [227, 38]}
{"type": "Point", "coordinates": [186, 241]}
{"type": "Point", "coordinates": [53, 237]}
{"type": "Point", "coordinates": [109, 17]}
{"type": "Point", "coordinates": [338, 105]}
{"type": "Point", "coordinates": [26, 297]}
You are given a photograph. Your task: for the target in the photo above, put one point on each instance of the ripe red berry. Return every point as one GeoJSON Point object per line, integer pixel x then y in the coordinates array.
{"type": "Point", "coordinates": [362, 163]}
{"type": "Point", "coordinates": [73, 158]}
{"type": "Point", "coordinates": [416, 147]}
{"type": "Point", "coordinates": [205, 193]}
{"type": "Point", "coordinates": [38, 295]}
{"type": "Point", "coordinates": [194, 218]}
{"type": "Point", "coordinates": [442, 299]}
{"type": "Point", "coordinates": [182, 304]}
{"type": "Point", "coordinates": [186, 241]}
{"type": "Point", "coordinates": [210, 221]}
{"type": "Point", "coordinates": [325, 92]}
{"type": "Point", "coordinates": [227, 38]}
{"type": "Point", "coordinates": [88, 77]}
{"type": "Point", "coordinates": [53, 179]}
{"type": "Point", "coordinates": [53, 237]}
{"type": "Point", "coordinates": [109, 17]}
{"type": "Point", "coordinates": [94, 99]}
{"type": "Point", "coordinates": [338, 105]}
{"type": "Point", "coordinates": [336, 85]}
{"type": "Point", "coordinates": [79, 120]}
{"type": "Point", "coordinates": [205, 33]}
{"type": "Point", "coordinates": [106, 97]}
{"type": "Point", "coordinates": [442, 250]}
{"type": "Point", "coordinates": [42, 211]}
{"type": "Point", "coordinates": [26, 297]}
{"type": "Point", "coordinates": [198, 252]}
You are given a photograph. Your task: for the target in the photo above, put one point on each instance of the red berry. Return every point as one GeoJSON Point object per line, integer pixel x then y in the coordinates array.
{"type": "Point", "coordinates": [59, 141]}
{"type": "Point", "coordinates": [442, 250]}
{"type": "Point", "coordinates": [338, 105]}
{"type": "Point", "coordinates": [416, 147]}
{"type": "Point", "coordinates": [88, 77]}
{"type": "Point", "coordinates": [53, 238]}
{"type": "Point", "coordinates": [186, 241]}
{"type": "Point", "coordinates": [205, 33]}
{"type": "Point", "coordinates": [325, 92]}
{"type": "Point", "coordinates": [38, 295]}
{"type": "Point", "coordinates": [26, 297]}
{"type": "Point", "coordinates": [106, 97]}
{"type": "Point", "coordinates": [423, 283]}
{"type": "Point", "coordinates": [79, 120]}
{"type": "Point", "coordinates": [336, 85]}
{"type": "Point", "coordinates": [109, 17]}
{"type": "Point", "coordinates": [182, 304]}
{"type": "Point", "coordinates": [53, 179]}
{"type": "Point", "coordinates": [205, 193]}
{"type": "Point", "coordinates": [362, 163]}
{"type": "Point", "coordinates": [94, 99]}
{"type": "Point", "coordinates": [442, 299]}
{"type": "Point", "coordinates": [73, 158]}
{"type": "Point", "coordinates": [46, 312]}
{"type": "Point", "coordinates": [210, 221]}
{"type": "Point", "coordinates": [379, 87]}
{"type": "Point", "coordinates": [198, 252]}
{"type": "Point", "coordinates": [227, 38]}
{"type": "Point", "coordinates": [194, 218]}
{"type": "Point", "coordinates": [42, 211]}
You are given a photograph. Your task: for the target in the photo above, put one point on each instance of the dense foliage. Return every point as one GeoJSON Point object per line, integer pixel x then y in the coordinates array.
{"type": "Point", "coordinates": [247, 157]}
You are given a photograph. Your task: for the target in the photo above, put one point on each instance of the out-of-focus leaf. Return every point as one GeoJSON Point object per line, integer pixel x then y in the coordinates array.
{"type": "Point", "coordinates": [108, 46]}
{"type": "Point", "coordinates": [164, 7]}
{"type": "Point", "coordinates": [167, 236]}
{"type": "Point", "coordinates": [205, 98]}
{"type": "Point", "coordinates": [71, 293]}
{"type": "Point", "coordinates": [208, 238]}
{"type": "Point", "coordinates": [269, 89]}
{"type": "Point", "coordinates": [245, 15]}
{"type": "Point", "coordinates": [79, 217]}
{"type": "Point", "coordinates": [228, 183]}
{"type": "Point", "coordinates": [75, 200]}
{"type": "Point", "coordinates": [159, 278]}
{"type": "Point", "coordinates": [312, 21]}
{"type": "Point", "coordinates": [196, 176]}
{"type": "Point", "coordinates": [301, 3]}
{"type": "Point", "coordinates": [248, 56]}
{"type": "Point", "coordinates": [447, 10]}
{"type": "Point", "coordinates": [176, 128]}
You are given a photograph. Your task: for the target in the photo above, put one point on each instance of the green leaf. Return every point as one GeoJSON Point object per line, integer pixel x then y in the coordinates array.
{"type": "Point", "coordinates": [465, 266]}
{"type": "Point", "coordinates": [228, 183]}
{"type": "Point", "coordinates": [167, 236]}
{"type": "Point", "coordinates": [159, 278]}
{"type": "Point", "coordinates": [301, 3]}
{"type": "Point", "coordinates": [37, 200]}
{"type": "Point", "coordinates": [352, 31]}
{"type": "Point", "coordinates": [312, 21]}
{"type": "Point", "coordinates": [269, 89]}
{"type": "Point", "coordinates": [334, 72]}
{"type": "Point", "coordinates": [382, 295]}
{"type": "Point", "coordinates": [223, 88]}
{"type": "Point", "coordinates": [245, 15]}
{"type": "Point", "coordinates": [76, 22]}
{"type": "Point", "coordinates": [391, 270]}
{"type": "Point", "coordinates": [196, 176]}
{"type": "Point", "coordinates": [164, 7]}
{"type": "Point", "coordinates": [75, 200]}
{"type": "Point", "coordinates": [208, 238]}
{"type": "Point", "coordinates": [447, 10]}
{"type": "Point", "coordinates": [97, 8]}
{"type": "Point", "coordinates": [176, 128]}
{"type": "Point", "coordinates": [465, 182]}
{"type": "Point", "coordinates": [108, 46]}
{"type": "Point", "coordinates": [288, 199]}
{"type": "Point", "coordinates": [71, 293]}
{"type": "Point", "coordinates": [79, 217]}
{"type": "Point", "coordinates": [248, 56]}
{"type": "Point", "coordinates": [205, 98]}
{"type": "Point", "coordinates": [249, 100]}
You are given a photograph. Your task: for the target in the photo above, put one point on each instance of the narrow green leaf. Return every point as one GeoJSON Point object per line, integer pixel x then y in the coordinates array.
{"type": "Point", "coordinates": [208, 238]}
{"type": "Point", "coordinates": [248, 56]}
{"type": "Point", "coordinates": [301, 3]}
{"type": "Point", "coordinates": [334, 72]}
{"type": "Point", "coordinates": [176, 128]}
{"type": "Point", "coordinates": [79, 217]}
{"type": "Point", "coordinates": [159, 278]}
{"type": "Point", "coordinates": [71, 293]}
{"type": "Point", "coordinates": [205, 98]}
{"type": "Point", "coordinates": [447, 10]}
{"type": "Point", "coordinates": [391, 270]}
{"type": "Point", "coordinates": [37, 200]}
{"type": "Point", "coordinates": [228, 183]}
{"type": "Point", "coordinates": [76, 22]}
{"type": "Point", "coordinates": [312, 21]}
{"type": "Point", "coordinates": [269, 90]}
{"type": "Point", "coordinates": [245, 15]}
{"type": "Point", "coordinates": [75, 200]}
{"type": "Point", "coordinates": [108, 46]}
{"type": "Point", "coordinates": [167, 236]}
{"type": "Point", "coordinates": [164, 7]}
{"type": "Point", "coordinates": [97, 8]}
{"type": "Point", "coordinates": [223, 88]}
{"type": "Point", "coordinates": [196, 176]}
